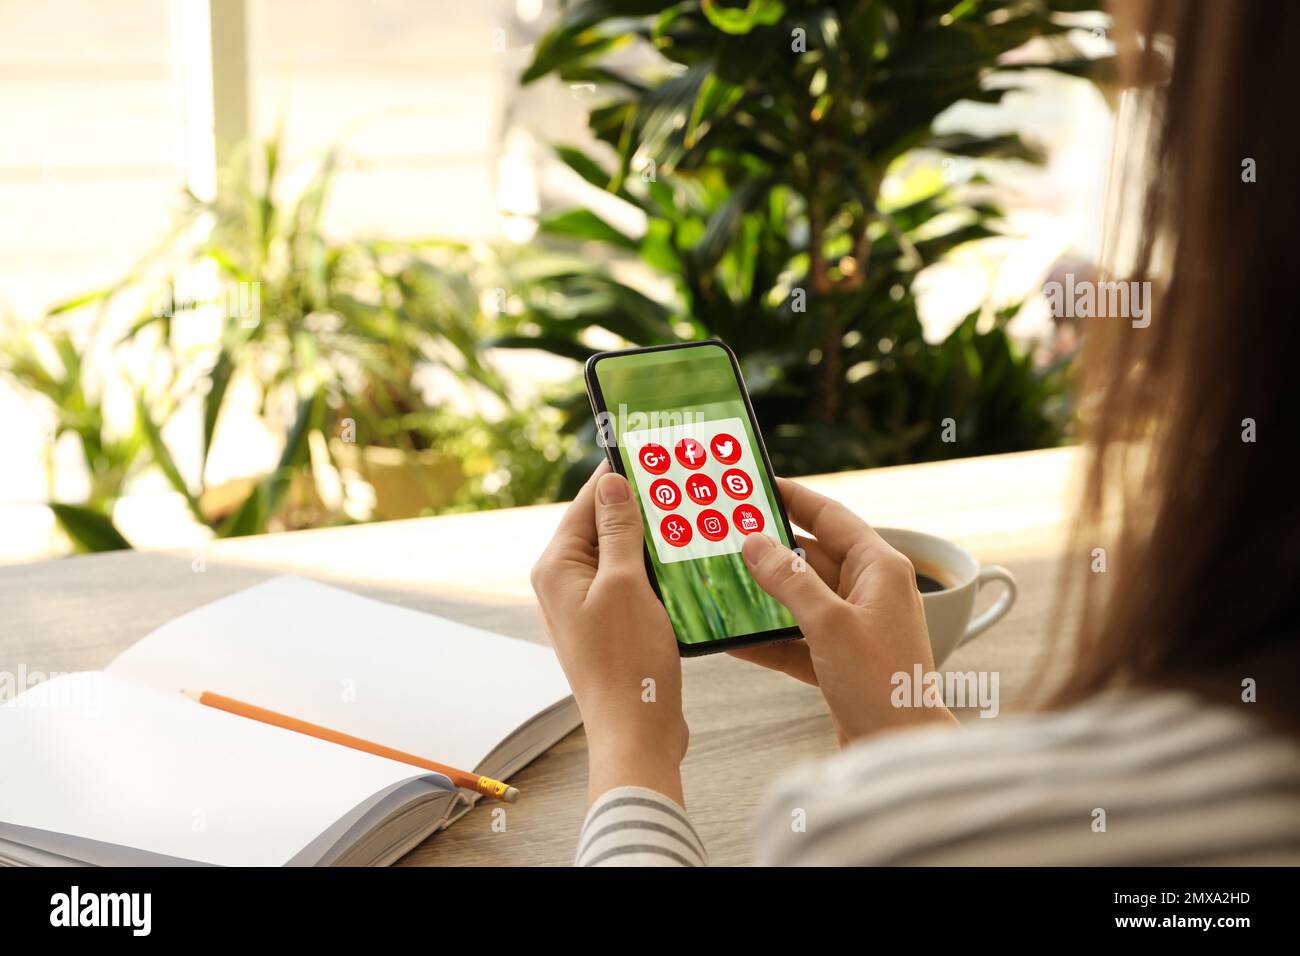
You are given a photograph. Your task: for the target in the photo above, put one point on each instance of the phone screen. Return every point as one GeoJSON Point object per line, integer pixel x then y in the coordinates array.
{"type": "Point", "coordinates": [681, 426]}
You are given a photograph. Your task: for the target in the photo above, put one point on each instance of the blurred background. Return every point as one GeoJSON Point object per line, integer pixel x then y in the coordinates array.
{"type": "Point", "coordinates": [276, 264]}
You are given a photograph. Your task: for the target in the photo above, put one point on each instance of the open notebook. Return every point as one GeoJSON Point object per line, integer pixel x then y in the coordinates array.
{"type": "Point", "coordinates": [118, 767]}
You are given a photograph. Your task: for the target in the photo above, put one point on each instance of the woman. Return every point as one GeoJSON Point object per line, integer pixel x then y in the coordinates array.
{"type": "Point", "coordinates": [1180, 715]}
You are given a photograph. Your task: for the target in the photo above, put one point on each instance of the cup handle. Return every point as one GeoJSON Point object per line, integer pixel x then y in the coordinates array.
{"type": "Point", "coordinates": [992, 572]}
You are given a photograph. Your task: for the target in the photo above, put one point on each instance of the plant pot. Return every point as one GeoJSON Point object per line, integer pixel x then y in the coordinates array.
{"type": "Point", "coordinates": [406, 483]}
{"type": "Point", "coordinates": [221, 501]}
{"type": "Point", "coordinates": [302, 504]}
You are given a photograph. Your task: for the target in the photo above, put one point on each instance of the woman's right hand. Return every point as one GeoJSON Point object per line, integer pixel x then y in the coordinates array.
{"type": "Point", "coordinates": [859, 610]}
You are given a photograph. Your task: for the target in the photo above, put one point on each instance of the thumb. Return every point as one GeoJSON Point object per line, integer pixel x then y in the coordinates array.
{"type": "Point", "coordinates": [788, 578]}
{"type": "Point", "coordinates": [618, 525]}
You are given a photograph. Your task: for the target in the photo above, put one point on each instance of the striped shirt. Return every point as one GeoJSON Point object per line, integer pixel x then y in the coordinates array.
{"type": "Point", "coordinates": [633, 826]}
{"type": "Point", "coordinates": [1129, 778]}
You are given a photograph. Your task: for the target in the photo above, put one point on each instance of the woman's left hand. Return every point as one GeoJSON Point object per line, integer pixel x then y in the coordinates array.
{"type": "Point", "coordinates": [614, 640]}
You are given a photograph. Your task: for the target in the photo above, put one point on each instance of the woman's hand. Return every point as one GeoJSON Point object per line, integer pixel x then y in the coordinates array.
{"type": "Point", "coordinates": [614, 640]}
{"type": "Point", "coordinates": [859, 610]}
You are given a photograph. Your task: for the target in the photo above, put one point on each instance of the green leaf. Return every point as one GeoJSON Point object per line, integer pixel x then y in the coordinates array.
{"type": "Point", "coordinates": [90, 530]}
{"type": "Point", "coordinates": [568, 48]}
{"type": "Point", "coordinates": [70, 305]}
{"type": "Point", "coordinates": [162, 456]}
{"type": "Point", "coordinates": [265, 499]}
{"type": "Point", "coordinates": [715, 98]}
{"type": "Point", "coordinates": [741, 21]}
{"type": "Point", "coordinates": [585, 225]}
{"type": "Point", "coordinates": [223, 258]}
{"type": "Point", "coordinates": [583, 165]}
{"type": "Point", "coordinates": [596, 299]}
{"type": "Point", "coordinates": [220, 381]}
{"type": "Point", "coordinates": [723, 223]}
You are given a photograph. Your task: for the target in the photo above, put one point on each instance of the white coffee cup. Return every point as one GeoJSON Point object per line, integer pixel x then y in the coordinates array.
{"type": "Point", "coordinates": [948, 612]}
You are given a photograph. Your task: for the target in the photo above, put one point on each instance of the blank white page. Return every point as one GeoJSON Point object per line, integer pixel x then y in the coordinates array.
{"type": "Point", "coordinates": [105, 758]}
{"type": "Point", "coordinates": [420, 683]}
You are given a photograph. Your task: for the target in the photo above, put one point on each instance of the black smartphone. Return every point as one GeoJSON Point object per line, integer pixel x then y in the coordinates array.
{"type": "Point", "coordinates": [677, 422]}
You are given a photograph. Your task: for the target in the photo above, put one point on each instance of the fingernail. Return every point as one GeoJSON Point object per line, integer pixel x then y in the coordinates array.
{"type": "Point", "coordinates": [755, 546]}
{"type": "Point", "coordinates": [612, 489]}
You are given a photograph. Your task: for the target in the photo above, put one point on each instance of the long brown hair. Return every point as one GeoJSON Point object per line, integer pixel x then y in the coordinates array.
{"type": "Point", "coordinates": [1193, 449]}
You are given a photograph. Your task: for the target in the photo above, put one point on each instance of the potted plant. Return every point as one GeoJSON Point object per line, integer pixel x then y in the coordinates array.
{"type": "Point", "coordinates": [756, 138]}
{"type": "Point", "coordinates": [332, 336]}
{"type": "Point", "coordinates": [331, 333]}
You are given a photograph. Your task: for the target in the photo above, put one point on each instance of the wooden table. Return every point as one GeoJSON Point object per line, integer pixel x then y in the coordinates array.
{"type": "Point", "coordinates": [747, 724]}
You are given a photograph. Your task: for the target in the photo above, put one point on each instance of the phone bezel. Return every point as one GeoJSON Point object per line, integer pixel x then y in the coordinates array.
{"type": "Point", "coordinates": [598, 405]}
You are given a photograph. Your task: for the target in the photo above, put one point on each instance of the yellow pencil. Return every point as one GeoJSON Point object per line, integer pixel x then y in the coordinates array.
{"type": "Point", "coordinates": [461, 778]}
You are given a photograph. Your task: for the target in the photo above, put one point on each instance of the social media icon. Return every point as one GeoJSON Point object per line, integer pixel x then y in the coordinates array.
{"type": "Point", "coordinates": [725, 448]}
{"type": "Point", "coordinates": [736, 483]}
{"type": "Point", "coordinates": [690, 453]}
{"type": "Point", "coordinates": [701, 489]}
{"type": "Point", "coordinates": [676, 530]}
{"type": "Point", "coordinates": [654, 458]}
{"type": "Point", "coordinates": [747, 519]}
{"type": "Point", "coordinates": [665, 494]}
{"type": "Point", "coordinates": [711, 524]}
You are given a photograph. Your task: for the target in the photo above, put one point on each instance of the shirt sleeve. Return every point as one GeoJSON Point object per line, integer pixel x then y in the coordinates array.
{"type": "Point", "coordinates": [633, 826]}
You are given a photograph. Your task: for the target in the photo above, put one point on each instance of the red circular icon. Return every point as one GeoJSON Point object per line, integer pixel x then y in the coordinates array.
{"type": "Point", "coordinates": [676, 530]}
{"type": "Point", "coordinates": [711, 524]}
{"type": "Point", "coordinates": [747, 519]}
{"type": "Point", "coordinates": [654, 458]}
{"type": "Point", "coordinates": [725, 448]}
{"type": "Point", "coordinates": [701, 489]}
{"type": "Point", "coordinates": [736, 483]}
{"type": "Point", "coordinates": [690, 453]}
{"type": "Point", "coordinates": [665, 494]}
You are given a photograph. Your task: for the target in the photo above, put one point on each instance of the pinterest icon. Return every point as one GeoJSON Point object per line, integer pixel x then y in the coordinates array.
{"type": "Point", "coordinates": [665, 494]}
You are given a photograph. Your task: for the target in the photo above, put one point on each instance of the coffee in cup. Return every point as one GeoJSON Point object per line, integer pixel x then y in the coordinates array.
{"type": "Point", "coordinates": [948, 577]}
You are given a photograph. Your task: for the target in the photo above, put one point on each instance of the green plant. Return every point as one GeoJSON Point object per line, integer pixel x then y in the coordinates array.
{"type": "Point", "coordinates": [49, 363]}
{"type": "Point", "coordinates": [337, 328]}
{"type": "Point", "coordinates": [332, 334]}
{"type": "Point", "coordinates": [756, 144]}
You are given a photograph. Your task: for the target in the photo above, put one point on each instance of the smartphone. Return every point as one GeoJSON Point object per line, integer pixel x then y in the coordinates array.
{"type": "Point", "coordinates": [676, 421]}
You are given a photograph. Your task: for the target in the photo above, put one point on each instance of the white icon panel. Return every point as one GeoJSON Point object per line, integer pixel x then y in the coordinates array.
{"type": "Point", "coordinates": [668, 495]}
